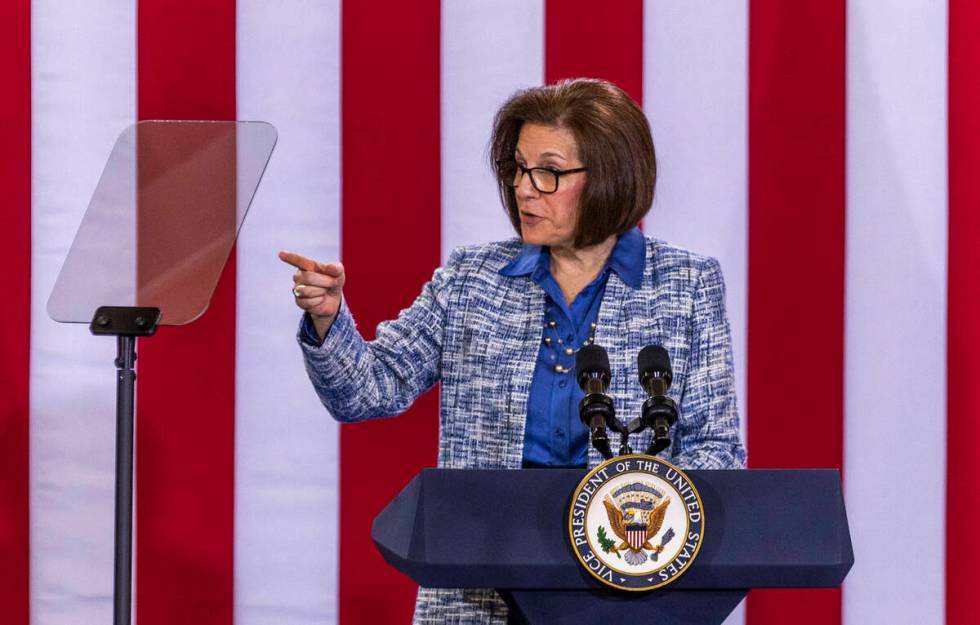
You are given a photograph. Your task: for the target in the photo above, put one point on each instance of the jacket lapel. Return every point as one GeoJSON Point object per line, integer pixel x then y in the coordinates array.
{"type": "Point", "coordinates": [527, 300]}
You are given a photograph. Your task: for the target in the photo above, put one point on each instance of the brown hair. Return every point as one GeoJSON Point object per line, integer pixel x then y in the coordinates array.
{"type": "Point", "coordinates": [614, 142]}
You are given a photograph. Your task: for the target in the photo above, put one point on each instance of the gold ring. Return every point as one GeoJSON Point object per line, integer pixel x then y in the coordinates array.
{"type": "Point", "coordinates": [297, 290]}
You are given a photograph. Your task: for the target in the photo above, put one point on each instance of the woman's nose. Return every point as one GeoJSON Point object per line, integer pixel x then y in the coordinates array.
{"type": "Point", "coordinates": [525, 188]}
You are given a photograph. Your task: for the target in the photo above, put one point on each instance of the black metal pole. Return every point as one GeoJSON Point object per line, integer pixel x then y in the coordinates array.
{"type": "Point", "coordinates": [125, 394]}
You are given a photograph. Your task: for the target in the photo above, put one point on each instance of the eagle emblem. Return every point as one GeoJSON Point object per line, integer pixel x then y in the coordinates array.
{"type": "Point", "coordinates": [636, 513]}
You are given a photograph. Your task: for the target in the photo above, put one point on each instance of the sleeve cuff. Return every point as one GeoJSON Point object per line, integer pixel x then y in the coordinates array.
{"type": "Point", "coordinates": [340, 332]}
{"type": "Point", "coordinates": [307, 331]}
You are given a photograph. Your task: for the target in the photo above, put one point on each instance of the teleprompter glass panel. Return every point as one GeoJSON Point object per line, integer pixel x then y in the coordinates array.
{"type": "Point", "coordinates": [163, 219]}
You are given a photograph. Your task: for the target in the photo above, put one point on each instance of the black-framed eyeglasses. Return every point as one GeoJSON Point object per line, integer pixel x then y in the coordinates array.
{"type": "Point", "coordinates": [543, 179]}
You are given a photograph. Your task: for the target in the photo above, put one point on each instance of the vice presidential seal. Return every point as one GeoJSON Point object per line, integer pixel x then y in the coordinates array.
{"type": "Point", "coordinates": [636, 522]}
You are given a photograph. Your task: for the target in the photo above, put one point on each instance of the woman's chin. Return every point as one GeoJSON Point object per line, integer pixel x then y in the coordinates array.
{"type": "Point", "coordinates": [532, 236]}
{"type": "Point", "coordinates": [535, 236]}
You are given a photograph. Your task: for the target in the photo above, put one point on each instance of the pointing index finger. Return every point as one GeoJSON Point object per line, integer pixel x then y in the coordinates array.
{"type": "Point", "coordinates": [298, 260]}
{"type": "Point", "coordinates": [334, 270]}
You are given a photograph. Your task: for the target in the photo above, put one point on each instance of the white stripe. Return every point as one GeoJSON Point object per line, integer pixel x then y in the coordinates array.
{"type": "Point", "coordinates": [489, 50]}
{"type": "Point", "coordinates": [695, 81]}
{"type": "Point", "coordinates": [83, 95]}
{"type": "Point", "coordinates": [286, 444]}
{"type": "Point", "coordinates": [695, 93]}
{"type": "Point", "coordinates": [895, 394]}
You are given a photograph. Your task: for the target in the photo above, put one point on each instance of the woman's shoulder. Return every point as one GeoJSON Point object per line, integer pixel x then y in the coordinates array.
{"type": "Point", "coordinates": [667, 262]}
{"type": "Point", "coordinates": [484, 257]}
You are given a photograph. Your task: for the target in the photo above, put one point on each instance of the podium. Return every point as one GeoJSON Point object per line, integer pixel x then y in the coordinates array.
{"type": "Point", "coordinates": [452, 528]}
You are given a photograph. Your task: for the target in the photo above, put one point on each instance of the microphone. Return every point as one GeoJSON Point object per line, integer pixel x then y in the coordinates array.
{"type": "Point", "coordinates": [653, 362]}
{"type": "Point", "coordinates": [659, 411]}
{"type": "Point", "coordinates": [596, 409]}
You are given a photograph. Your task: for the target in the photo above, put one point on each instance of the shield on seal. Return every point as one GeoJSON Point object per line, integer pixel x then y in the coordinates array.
{"type": "Point", "coordinates": [636, 535]}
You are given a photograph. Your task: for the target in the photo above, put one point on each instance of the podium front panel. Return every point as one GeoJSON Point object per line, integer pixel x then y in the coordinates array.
{"type": "Point", "coordinates": [507, 530]}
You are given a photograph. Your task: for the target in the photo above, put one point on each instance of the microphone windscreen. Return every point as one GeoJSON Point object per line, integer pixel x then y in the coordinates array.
{"type": "Point", "coordinates": [652, 359]}
{"type": "Point", "coordinates": [591, 359]}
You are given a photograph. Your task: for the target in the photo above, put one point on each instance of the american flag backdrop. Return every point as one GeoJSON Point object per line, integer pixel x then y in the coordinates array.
{"type": "Point", "coordinates": [826, 151]}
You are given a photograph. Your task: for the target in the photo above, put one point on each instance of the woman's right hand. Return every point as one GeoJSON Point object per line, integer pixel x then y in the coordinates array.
{"type": "Point", "coordinates": [317, 288]}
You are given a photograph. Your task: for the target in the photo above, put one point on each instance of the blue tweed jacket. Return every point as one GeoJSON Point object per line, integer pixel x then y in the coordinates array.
{"type": "Point", "coordinates": [478, 333]}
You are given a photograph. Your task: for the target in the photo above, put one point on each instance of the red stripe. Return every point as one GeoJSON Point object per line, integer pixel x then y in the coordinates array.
{"type": "Point", "coordinates": [186, 385]}
{"type": "Point", "coordinates": [582, 39]}
{"type": "Point", "coordinates": [796, 257]}
{"type": "Point", "coordinates": [391, 243]}
{"type": "Point", "coordinates": [963, 338]}
{"type": "Point", "coordinates": [15, 314]}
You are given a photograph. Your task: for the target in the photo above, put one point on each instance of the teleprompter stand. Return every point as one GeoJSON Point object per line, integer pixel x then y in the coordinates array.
{"type": "Point", "coordinates": [154, 240]}
{"type": "Point", "coordinates": [126, 323]}
{"type": "Point", "coordinates": [762, 529]}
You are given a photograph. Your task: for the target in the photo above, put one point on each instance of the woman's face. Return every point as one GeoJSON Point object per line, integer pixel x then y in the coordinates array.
{"type": "Point", "coordinates": [549, 218]}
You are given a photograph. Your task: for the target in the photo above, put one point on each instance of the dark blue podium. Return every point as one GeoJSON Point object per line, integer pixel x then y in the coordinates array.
{"type": "Point", "coordinates": [508, 530]}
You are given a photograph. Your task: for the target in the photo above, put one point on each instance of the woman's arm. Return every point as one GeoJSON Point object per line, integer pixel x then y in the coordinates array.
{"type": "Point", "coordinates": [707, 433]}
{"type": "Point", "coordinates": [358, 380]}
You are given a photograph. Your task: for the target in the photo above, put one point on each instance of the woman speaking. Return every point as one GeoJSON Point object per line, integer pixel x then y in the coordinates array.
{"type": "Point", "coordinates": [499, 325]}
